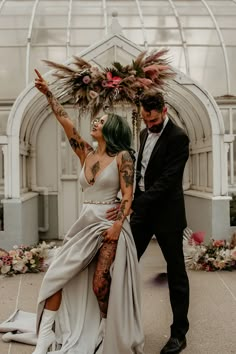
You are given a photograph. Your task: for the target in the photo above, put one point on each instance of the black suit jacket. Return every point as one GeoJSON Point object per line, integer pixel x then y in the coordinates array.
{"type": "Point", "coordinates": [162, 203]}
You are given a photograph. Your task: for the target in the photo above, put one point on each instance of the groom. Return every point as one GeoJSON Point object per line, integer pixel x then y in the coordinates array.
{"type": "Point", "coordinates": [158, 205]}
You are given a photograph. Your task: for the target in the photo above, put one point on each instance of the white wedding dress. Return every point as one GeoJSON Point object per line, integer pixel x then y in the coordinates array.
{"type": "Point", "coordinates": [78, 318]}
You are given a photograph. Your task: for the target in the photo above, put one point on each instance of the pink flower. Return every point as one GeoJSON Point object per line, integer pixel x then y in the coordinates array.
{"type": "Point", "coordinates": [12, 253]}
{"type": "Point", "coordinates": [218, 243]}
{"type": "Point", "coordinates": [86, 79]}
{"type": "Point", "coordinates": [198, 237]}
{"type": "Point", "coordinates": [93, 94]}
{"type": "Point", "coordinates": [28, 255]}
{"type": "Point", "coordinates": [25, 269]}
{"type": "Point", "coordinates": [104, 83]}
{"type": "Point", "coordinates": [112, 81]}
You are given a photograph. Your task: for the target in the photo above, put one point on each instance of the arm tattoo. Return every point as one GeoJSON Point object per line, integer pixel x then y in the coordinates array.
{"type": "Point", "coordinates": [75, 144]}
{"type": "Point", "coordinates": [94, 169]}
{"type": "Point", "coordinates": [120, 215]}
{"type": "Point", "coordinates": [56, 106]}
{"type": "Point", "coordinates": [127, 169]}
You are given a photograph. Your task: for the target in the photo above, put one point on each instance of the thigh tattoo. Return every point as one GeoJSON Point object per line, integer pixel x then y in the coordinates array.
{"type": "Point", "coordinates": [102, 278]}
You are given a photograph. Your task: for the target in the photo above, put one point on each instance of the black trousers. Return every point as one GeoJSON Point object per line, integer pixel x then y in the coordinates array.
{"type": "Point", "coordinates": [171, 244]}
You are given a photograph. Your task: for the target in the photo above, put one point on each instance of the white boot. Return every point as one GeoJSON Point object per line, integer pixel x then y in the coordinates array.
{"type": "Point", "coordinates": [46, 335]}
{"type": "Point", "coordinates": [28, 338]}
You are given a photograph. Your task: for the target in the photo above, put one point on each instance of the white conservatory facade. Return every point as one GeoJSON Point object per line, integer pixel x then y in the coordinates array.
{"type": "Point", "coordinates": [40, 192]}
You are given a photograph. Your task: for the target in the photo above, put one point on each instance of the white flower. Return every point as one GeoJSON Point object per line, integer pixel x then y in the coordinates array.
{"type": "Point", "coordinates": [5, 269]}
{"type": "Point", "coordinates": [19, 266]}
{"type": "Point", "coordinates": [233, 253]}
{"type": "Point", "coordinates": [34, 250]}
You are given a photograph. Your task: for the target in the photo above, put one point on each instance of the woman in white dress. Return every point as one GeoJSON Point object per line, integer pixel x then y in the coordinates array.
{"type": "Point", "coordinates": [91, 290]}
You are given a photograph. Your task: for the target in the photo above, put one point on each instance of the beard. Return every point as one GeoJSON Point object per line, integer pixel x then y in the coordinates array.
{"type": "Point", "coordinates": [157, 128]}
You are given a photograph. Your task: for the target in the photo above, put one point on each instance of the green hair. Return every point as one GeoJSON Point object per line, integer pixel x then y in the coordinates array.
{"type": "Point", "coordinates": [117, 135]}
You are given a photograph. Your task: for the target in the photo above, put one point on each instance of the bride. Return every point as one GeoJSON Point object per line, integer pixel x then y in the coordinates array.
{"type": "Point", "coordinates": [89, 301]}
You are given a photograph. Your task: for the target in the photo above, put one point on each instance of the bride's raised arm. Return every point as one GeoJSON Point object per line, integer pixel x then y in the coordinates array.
{"type": "Point", "coordinates": [78, 144]}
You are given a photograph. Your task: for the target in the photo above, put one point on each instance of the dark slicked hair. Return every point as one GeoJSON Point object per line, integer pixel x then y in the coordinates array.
{"type": "Point", "coordinates": [152, 100]}
{"type": "Point", "coordinates": [117, 135]}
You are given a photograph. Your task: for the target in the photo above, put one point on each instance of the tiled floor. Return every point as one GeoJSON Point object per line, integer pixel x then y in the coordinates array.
{"type": "Point", "coordinates": [212, 312]}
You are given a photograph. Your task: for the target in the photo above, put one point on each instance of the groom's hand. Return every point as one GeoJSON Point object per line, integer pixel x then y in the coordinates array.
{"type": "Point", "coordinates": [112, 213]}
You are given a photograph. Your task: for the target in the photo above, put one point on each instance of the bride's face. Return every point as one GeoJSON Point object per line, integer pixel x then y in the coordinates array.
{"type": "Point", "coordinates": [97, 125]}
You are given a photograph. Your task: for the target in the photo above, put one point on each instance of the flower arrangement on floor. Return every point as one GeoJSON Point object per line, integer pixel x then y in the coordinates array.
{"type": "Point", "coordinates": [216, 255]}
{"type": "Point", "coordinates": [24, 259]}
{"type": "Point", "coordinates": [96, 88]}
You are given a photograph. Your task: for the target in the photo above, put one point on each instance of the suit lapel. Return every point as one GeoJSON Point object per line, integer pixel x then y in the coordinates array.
{"type": "Point", "coordinates": [142, 144]}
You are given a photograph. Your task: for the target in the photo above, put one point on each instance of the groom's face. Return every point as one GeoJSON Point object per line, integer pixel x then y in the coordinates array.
{"type": "Point", "coordinates": [154, 119]}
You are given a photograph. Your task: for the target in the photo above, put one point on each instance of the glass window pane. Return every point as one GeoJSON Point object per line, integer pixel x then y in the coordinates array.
{"type": "Point", "coordinates": [225, 115]}
{"type": "Point", "coordinates": [234, 123]}
{"type": "Point", "coordinates": [85, 37]}
{"type": "Point", "coordinates": [4, 113]}
{"type": "Point", "coordinates": [197, 21]}
{"type": "Point", "coordinates": [149, 21]}
{"type": "Point", "coordinates": [231, 54]}
{"type": "Point", "coordinates": [13, 37]}
{"type": "Point", "coordinates": [57, 54]}
{"type": "Point", "coordinates": [78, 21]}
{"type": "Point", "coordinates": [229, 36]}
{"type": "Point", "coordinates": [222, 7]}
{"type": "Point", "coordinates": [190, 8]}
{"type": "Point", "coordinates": [204, 68]}
{"type": "Point", "coordinates": [48, 36]}
{"type": "Point", "coordinates": [165, 36]}
{"type": "Point", "coordinates": [202, 36]}
{"type": "Point", "coordinates": [177, 58]}
{"type": "Point", "coordinates": [17, 8]}
{"type": "Point", "coordinates": [49, 8]}
{"type": "Point", "coordinates": [15, 21]}
{"type": "Point", "coordinates": [12, 72]}
{"type": "Point", "coordinates": [226, 21]}
{"type": "Point", "coordinates": [50, 16]}
{"type": "Point", "coordinates": [89, 8]}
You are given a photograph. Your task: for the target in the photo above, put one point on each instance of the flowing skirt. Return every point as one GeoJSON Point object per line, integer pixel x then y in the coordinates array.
{"type": "Point", "coordinates": [78, 318]}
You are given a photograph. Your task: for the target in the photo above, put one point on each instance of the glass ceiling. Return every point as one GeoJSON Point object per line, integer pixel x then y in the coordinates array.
{"type": "Point", "coordinates": [201, 36]}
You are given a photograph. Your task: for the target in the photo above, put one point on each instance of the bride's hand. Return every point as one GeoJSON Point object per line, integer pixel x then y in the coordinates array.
{"type": "Point", "coordinates": [112, 234]}
{"type": "Point", "coordinates": [40, 83]}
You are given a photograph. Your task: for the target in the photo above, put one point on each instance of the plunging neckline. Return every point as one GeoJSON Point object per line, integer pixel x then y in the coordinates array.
{"type": "Point", "coordinates": [95, 180]}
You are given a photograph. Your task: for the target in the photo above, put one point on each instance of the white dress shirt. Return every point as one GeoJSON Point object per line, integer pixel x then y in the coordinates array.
{"type": "Point", "coordinates": [147, 151]}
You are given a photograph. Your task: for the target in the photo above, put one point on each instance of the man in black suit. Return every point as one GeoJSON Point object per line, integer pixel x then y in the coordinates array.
{"type": "Point", "coordinates": [158, 206]}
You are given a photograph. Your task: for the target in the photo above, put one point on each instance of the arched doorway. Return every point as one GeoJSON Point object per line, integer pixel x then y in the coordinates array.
{"type": "Point", "coordinates": [42, 167]}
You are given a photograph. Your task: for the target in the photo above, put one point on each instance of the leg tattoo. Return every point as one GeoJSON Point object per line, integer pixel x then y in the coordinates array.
{"type": "Point", "coordinates": [102, 278]}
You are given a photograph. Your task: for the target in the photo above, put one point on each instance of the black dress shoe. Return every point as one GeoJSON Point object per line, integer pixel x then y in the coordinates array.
{"type": "Point", "coordinates": [174, 346]}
